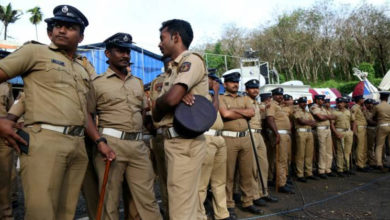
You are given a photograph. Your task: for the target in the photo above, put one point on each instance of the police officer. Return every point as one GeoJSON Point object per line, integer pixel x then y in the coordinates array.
{"type": "Point", "coordinates": [6, 156]}
{"type": "Point", "coordinates": [157, 142]}
{"type": "Point", "coordinates": [187, 77]}
{"type": "Point", "coordinates": [371, 131]}
{"type": "Point", "coordinates": [304, 121]}
{"type": "Point", "coordinates": [119, 105]}
{"type": "Point", "coordinates": [341, 127]}
{"type": "Point", "coordinates": [324, 137]}
{"type": "Point", "coordinates": [382, 117]}
{"type": "Point", "coordinates": [279, 122]}
{"type": "Point", "coordinates": [214, 165]}
{"type": "Point", "coordinates": [53, 168]}
{"type": "Point", "coordinates": [359, 128]}
{"type": "Point", "coordinates": [235, 110]}
{"type": "Point", "coordinates": [260, 198]}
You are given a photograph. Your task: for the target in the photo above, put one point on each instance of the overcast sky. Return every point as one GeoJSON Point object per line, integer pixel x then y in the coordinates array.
{"type": "Point", "coordinates": [142, 19]}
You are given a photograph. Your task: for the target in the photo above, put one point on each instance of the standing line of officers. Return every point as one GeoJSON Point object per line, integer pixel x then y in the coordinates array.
{"type": "Point", "coordinates": [133, 125]}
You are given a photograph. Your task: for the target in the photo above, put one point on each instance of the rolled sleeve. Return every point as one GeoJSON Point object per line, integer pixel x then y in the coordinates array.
{"type": "Point", "coordinates": [193, 75]}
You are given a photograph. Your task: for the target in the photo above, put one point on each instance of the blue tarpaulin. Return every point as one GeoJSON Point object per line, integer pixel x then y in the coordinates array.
{"type": "Point", "coordinates": [146, 65]}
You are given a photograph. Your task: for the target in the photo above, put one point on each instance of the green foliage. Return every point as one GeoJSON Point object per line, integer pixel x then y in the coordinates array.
{"type": "Point", "coordinates": [282, 78]}
{"type": "Point", "coordinates": [369, 68]}
{"type": "Point", "coordinates": [8, 16]}
{"type": "Point", "coordinates": [216, 59]}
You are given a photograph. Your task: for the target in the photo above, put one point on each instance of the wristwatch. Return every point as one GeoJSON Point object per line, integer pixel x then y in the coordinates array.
{"type": "Point", "coordinates": [101, 139]}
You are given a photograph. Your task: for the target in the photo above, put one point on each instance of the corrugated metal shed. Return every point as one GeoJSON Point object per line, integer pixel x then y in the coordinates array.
{"type": "Point", "coordinates": [146, 65]}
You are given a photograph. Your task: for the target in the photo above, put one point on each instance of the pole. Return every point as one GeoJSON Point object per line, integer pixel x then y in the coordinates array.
{"type": "Point", "coordinates": [103, 191]}
{"type": "Point", "coordinates": [256, 158]}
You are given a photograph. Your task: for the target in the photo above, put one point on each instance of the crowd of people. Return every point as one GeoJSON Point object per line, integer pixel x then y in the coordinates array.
{"type": "Point", "coordinates": [69, 122]}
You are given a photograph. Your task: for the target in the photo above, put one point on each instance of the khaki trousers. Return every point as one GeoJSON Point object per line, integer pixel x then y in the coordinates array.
{"type": "Point", "coordinates": [239, 150]}
{"type": "Point", "coordinates": [361, 147]}
{"type": "Point", "coordinates": [133, 163]}
{"type": "Point", "coordinates": [52, 174]}
{"type": "Point", "coordinates": [89, 188]}
{"type": "Point", "coordinates": [6, 169]}
{"type": "Point", "coordinates": [348, 140]}
{"type": "Point", "coordinates": [184, 158]}
{"type": "Point", "coordinates": [263, 162]}
{"type": "Point", "coordinates": [325, 152]}
{"type": "Point", "coordinates": [214, 172]}
{"type": "Point", "coordinates": [382, 133]}
{"type": "Point", "coordinates": [270, 143]}
{"type": "Point", "coordinates": [284, 152]}
{"type": "Point", "coordinates": [157, 146]}
{"type": "Point", "coordinates": [304, 153]}
{"type": "Point", "coordinates": [371, 139]}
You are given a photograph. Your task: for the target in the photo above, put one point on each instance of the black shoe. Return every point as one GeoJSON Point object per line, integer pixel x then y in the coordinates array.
{"type": "Point", "coordinates": [270, 198]}
{"type": "Point", "coordinates": [331, 174]}
{"type": "Point", "coordinates": [312, 177]}
{"type": "Point", "coordinates": [237, 197]}
{"type": "Point", "coordinates": [232, 214]}
{"type": "Point", "coordinates": [260, 202]}
{"type": "Point", "coordinates": [340, 174]}
{"type": "Point", "coordinates": [289, 181]}
{"type": "Point", "coordinates": [323, 176]}
{"type": "Point", "coordinates": [351, 173]}
{"type": "Point", "coordinates": [302, 179]}
{"type": "Point", "coordinates": [286, 189]}
{"type": "Point", "coordinates": [363, 170]}
{"type": "Point", "coordinates": [253, 209]}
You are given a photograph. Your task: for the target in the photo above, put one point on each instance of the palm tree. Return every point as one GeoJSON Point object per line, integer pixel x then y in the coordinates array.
{"type": "Point", "coordinates": [8, 16]}
{"type": "Point", "coordinates": [36, 18]}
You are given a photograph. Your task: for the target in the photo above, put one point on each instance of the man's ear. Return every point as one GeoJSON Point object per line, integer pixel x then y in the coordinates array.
{"type": "Point", "coordinates": [176, 37]}
{"type": "Point", "coordinates": [81, 38]}
{"type": "Point", "coordinates": [107, 53]}
{"type": "Point", "coordinates": [50, 34]}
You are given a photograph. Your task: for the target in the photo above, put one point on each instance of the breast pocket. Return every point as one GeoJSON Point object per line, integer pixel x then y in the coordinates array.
{"type": "Point", "coordinates": [54, 74]}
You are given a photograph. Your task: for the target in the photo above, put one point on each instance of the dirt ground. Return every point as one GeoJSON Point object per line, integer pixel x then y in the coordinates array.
{"type": "Point", "coordinates": [362, 196]}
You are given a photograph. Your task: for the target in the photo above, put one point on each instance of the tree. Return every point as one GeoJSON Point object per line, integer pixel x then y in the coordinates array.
{"type": "Point", "coordinates": [8, 16]}
{"type": "Point", "coordinates": [36, 17]}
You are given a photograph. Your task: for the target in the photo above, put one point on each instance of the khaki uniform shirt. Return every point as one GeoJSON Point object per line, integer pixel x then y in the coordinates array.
{"type": "Point", "coordinates": [119, 103]}
{"type": "Point", "coordinates": [239, 102]}
{"type": "Point", "coordinates": [281, 117]}
{"type": "Point", "coordinates": [18, 108]}
{"type": "Point", "coordinates": [369, 115]}
{"type": "Point", "coordinates": [300, 113]}
{"type": "Point", "coordinates": [262, 107]}
{"type": "Point", "coordinates": [358, 115]}
{"type": "Point", "coordinates": [155, 90]}
{"type": "Point", "coordinates": [57, 87]}
{"type": "Point", "coordinates": [343, 119]}
{"type": "Point", "coordinates": [255, 121]}
{"type": "Point", "coordinates": [315, 109]}
{"type": "Point", "coordinates": [187, 69]}
{"type": "Point", "coordinates": [218, 124]}
{"type": "Point", "coordinates": [6, 98]}
{"type": "Point", "coordinates": [382, 113]}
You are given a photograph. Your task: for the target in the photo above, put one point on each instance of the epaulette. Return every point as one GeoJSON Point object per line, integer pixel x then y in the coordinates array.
{"type": "Point", "coordinates": [33, 42]}
{"type": "Point", "coordinates": [140, 81]}
{"type": "Point", "coordinates": [96, 76]}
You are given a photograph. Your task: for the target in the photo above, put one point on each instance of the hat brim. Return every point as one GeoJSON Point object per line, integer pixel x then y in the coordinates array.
{"type": "Point", "coordinates": [236, 81]}
{"type": "Point", "coordinates": [65, 19]}
{"type": "Point", "coordinates": [252, 87]}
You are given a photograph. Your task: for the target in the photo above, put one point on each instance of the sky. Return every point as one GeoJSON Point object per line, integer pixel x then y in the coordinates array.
{"type": "Point", "coordinates": [142, 19]}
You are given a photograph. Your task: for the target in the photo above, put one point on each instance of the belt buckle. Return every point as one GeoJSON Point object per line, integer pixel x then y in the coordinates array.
{"type": "Point", "coordinates": [241, 134]}
{"type": "Point", "coordinates": [73, 130]}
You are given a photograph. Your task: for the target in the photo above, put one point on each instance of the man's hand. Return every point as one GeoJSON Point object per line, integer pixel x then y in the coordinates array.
{"type": "Point", "coordinates": [188, 99]}
{"type": "Point", "coordinates": [106, 151]}
{"type": "Point", "coordinates": [215, 87]}
{"type": "Point", "coordinates": [7, 131]}
{"type": "Point", "coordinates": [277, 139]}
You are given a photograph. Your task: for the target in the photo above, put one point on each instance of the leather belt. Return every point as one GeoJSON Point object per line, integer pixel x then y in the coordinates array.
{"type": "Point", "coordinates": [362, 126]}
{"type": "Point", "coordinates": [136, 136]}
{"type": "Point", "coordinates": [322, 127]}
{"type": "Point", "coordinates": [67, 130]}
{"type": "Point", "coordinates": [256, 130]}
{"type": "Point", "coordinates": [235, 133]}
{"type": "Point", "coordinates": [212, 132]}
{"type": "Point", "coordinates": [283, 131]}
{"type": "Point", "coordinates": [303, 129]}
{"type": "Point", "coordinates": [384, 125]}
{"type": "Point", "coordinates": [146, 137]}
{"type": "Point", "coordinates": [170, 133]}
{"type": "Point", "coordinates": [371, 127]}
{"type": "Point", "coordinates": [342, 129]}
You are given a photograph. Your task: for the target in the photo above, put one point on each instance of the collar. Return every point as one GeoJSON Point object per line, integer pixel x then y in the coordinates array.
{"type": "Point", "coordinates": [231, 94]}
{"type": "Point", "coordinates": [54, 47]}
{"type": "Point", "coordinates": [109, 73]}
{"type": "Point", "coordinates": [180, 57]}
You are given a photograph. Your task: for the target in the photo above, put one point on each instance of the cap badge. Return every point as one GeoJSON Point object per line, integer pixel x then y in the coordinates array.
{"type": "Point", "coordinates": [65, 9]}
{"type": "Point", "coordinates": [125, 38]}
